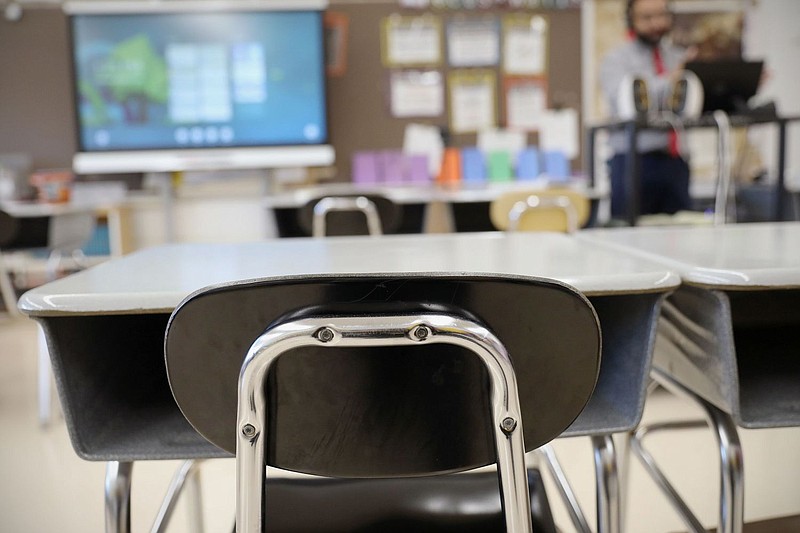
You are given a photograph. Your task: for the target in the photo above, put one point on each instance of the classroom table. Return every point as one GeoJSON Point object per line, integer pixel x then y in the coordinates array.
{"type": "Point", "coordinates": [729, 335]}
{"type": "Point", "coordinates": [105, 329]}
{"type": "Point", "coordinates": [452, 205]}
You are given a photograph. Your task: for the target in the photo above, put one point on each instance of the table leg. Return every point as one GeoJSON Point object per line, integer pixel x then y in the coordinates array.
{"type": "Point", "coordinates": [608, 501]}
{"type": "Point", "coordinates": [548, 456]}
{"type": "Point", "coordinates": [187, 475]}
{"type": "Point", "coordinates": [118, 496]}
{"type": "Point", "coordinates": [780, 186]}
{"type": "Point", "coordinates": [43, 378]}
{"type": "Point", "coordinates": [731, 510]}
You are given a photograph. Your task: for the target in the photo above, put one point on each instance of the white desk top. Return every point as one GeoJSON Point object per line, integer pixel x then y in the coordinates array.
{"type": "Point", "coordinates": [735, 256]}
{"type": "Point", "coordinates": [44, 209]}
{"type": "Point", "coordinates": [461, 192]}
{"type": "Point", "coordinates": [157, 279]}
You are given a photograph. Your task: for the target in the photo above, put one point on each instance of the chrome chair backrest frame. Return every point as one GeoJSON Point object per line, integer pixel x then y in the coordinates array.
{"type": "Point", "coordinates": [344, 331]}
{"type": "Point", "coordinates": [342, 203]}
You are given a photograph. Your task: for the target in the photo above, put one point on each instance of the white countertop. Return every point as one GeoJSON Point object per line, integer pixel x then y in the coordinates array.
{"type": "Point", "coordinates": [460, 192]}
{"type": "Point", "coordinates": [157, 279]}
{"type": "Point", "coordinates": [21, 209]}
{"type": "Point", "coordinates": [734, 256]}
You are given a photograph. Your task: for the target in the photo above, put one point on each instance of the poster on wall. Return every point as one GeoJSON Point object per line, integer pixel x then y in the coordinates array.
{"type": "Point", "coordinates": [473, 104]}
{"type": "Point", "coordinates": [416, 93]}
{"type": "Point", "coordinates": [526, 102]}
{"type": "Point", "coordinates": [473, 42]}
{"type": "Point", "coordinates": [525, 45]}
{"type": "Point", "coordinates": [411, 41]}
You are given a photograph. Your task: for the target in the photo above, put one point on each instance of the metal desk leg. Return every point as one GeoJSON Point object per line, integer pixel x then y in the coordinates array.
{"type": "Point", "coordinates": [780, 186]}
{"type": "Point", "coordinates": [548, 456]}
{"type": "Point", "coordinates": [118, 497]}
{"type": "Point", "coordinates": [608, 501]}
{"type": "Point", "coordinates": [188, 475]}
{"type": "Point", "coordinates": [43, 372]}
{"type": "Point", "coordinates": [7, 289]}
{"type": "Point", "coordinates": [731, 517]}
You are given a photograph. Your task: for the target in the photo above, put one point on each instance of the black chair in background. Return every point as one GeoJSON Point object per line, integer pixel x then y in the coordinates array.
{"type": "Point", "coordinates": [349, 215]}
{"type": "Point", "coordinates": [60, 234]}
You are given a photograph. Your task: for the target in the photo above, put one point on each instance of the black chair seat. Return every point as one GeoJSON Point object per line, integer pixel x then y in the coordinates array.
{"type": "Point", "coordinates": [461, 503]}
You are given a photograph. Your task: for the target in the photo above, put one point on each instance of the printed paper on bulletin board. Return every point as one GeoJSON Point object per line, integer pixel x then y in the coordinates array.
{"type": "Point", "coordinates": [473, 41]}
{"type": "Point", "coordinates": [473, 100]}
{"type": "Point", "coordinates": [411, 41]}
{"type": "Point", "coordinates": [525, 102]}
{"type": "Point", "coordinates": [416, 93]}
{"type": "Point", "coordinates": [525, 45]}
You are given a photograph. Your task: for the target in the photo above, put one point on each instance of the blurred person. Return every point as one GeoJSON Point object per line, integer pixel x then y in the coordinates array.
{"type": "Point", "coordinates": [648, 54]}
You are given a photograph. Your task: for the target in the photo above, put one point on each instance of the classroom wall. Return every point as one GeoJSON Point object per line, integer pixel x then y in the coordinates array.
{"type": "Point", "coordinates": [772, 32]}
{"type": "Point", "coordinates": [36, 112]}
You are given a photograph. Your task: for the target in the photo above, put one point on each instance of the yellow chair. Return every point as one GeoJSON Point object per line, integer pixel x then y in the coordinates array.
{"type": "Point", "coordinates": [559, 209]}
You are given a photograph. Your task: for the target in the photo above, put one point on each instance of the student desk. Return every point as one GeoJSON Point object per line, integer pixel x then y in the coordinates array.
{"type": "Point", "coordinates": [731, 331]}
{"type": "Point", "coordinates": [105, 328]}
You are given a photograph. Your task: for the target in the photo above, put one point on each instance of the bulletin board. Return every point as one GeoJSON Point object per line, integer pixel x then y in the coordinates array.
{"type": "Point", "coordinates": [365, 116]}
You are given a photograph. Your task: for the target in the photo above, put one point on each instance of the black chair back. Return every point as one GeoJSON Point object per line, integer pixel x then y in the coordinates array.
{"type": "Point", "coordinates": [391, 411]}
{"type": "Point", "coordinates": [341, 223]}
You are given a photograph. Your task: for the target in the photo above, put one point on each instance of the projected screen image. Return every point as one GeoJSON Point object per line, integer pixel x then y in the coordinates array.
{"type": "Point", "coordinates": [199, 80]}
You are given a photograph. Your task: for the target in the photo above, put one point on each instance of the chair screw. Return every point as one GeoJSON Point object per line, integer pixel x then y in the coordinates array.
{"type": "Point", "coordinates": [421, 333]}
{"type": "Point", "coordinates": [248, 430]}
{"type": "Point", "coordinates": [508, 424]}
{"type": "Point", "coordinates": [325, 334]}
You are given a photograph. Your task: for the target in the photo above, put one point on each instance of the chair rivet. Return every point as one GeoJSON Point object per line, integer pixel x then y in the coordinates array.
{"type": "Point", "coordinates": [325, 334]}
{"type": "Point", "coordinates": [421, 333]}
{"type": "Point", "coordinates": [248, 430]}
{"type": "Point", "coordinates": [508, 424]}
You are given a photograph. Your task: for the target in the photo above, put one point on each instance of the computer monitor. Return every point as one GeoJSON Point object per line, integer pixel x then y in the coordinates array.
{"type": "Point", "coordinates": [727, 84]}
{"type": "Point", "coordinates": [198, 85]}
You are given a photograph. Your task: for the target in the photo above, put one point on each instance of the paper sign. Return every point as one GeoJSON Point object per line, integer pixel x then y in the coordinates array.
{"type": "Point", "coordinates": [525, 45]}
{"type": "Point", "coordinates": [410, 41]}
{"type": "Point", "coordinates": [416, 94]}
{"type": "Point", "coordinates": [473, 42]}
{"type": "Point", "coordinates": [499, 140]}
{"type": "Point", "coordinates": [426, 140]}
{"type": "Point", "coordinates": [472, 101]}
{"type": "Point", "coordinates": [526, 101]}
{"type": "Point", "coordinates": [559, 132]}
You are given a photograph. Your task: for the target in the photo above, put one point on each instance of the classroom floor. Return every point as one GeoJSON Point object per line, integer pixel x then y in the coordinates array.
{"type": "Point", "coordinates": [45, 487]}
